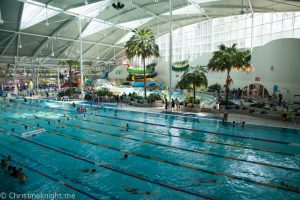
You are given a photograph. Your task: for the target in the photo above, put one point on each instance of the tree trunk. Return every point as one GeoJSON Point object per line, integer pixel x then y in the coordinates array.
{"type": "Point", "coordinates": [194, 88]}
{"type": "Point", "coordinates": [145, 89]}
{"type": "Point", "coordinates": [227, 88]}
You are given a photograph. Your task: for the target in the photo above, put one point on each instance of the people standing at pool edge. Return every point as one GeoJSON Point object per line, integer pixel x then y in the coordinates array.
{"type": "Point", "coordinates": [225, 116]}
{"type": "Point", "coordinates": [172, 104]}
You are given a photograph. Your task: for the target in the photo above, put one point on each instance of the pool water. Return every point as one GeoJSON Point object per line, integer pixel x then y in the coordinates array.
{"type": "Point", "coordinates": [169, 157]}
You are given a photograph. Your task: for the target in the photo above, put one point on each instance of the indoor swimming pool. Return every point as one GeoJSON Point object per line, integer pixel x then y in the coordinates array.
{"type": "Point", "coordinates": [169, 156]}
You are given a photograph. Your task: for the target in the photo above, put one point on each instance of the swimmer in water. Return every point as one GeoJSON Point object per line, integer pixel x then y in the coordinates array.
{"type": "Point", "coordinates": [127, 127]}
{"type": "Point", "coordinates": [132, 190]}
{"type": "Point", "coordinates": [124, 157]}
{"type": "Point", "coordinates": [116, 113]}
{"type": "Point", "coordinates": [4, 164]}
{"type": "Point", "coordinates": [201, 181]}
{"type": "Point", "coordinates": [22, 176]}
{"type": "Point", "coordinates": [88, 170]}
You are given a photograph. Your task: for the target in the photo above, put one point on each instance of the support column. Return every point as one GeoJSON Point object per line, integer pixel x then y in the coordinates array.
{"type": "Point", "coordinates": [81, 63]}
{"type": "Point", "coordinates": [170, 48]}
{"type": "Point", "coordinates": [58, 82]}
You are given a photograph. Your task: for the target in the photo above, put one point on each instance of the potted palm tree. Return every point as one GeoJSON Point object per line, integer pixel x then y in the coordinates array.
{"type": "Point", "coordinates": [70, 63]}
{"type": "Point", "coordinates": [142, 43]}
{"type": "Point", "coordinates": [227, 59]}
{"type": "Point", "coordinates": [196, 77]}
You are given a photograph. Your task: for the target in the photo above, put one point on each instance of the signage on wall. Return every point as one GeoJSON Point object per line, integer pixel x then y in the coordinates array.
{"type": "Point", "coordinates": [257, 78]}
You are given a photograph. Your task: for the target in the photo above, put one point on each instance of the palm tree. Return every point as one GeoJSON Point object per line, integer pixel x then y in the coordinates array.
{"type": "Point", "coordinates": [194, 76]}
{"type": "Point", "coordinates": [142, 43]}
{"type": "Point", "coordinates": [70, 63]}
{"type": "Point", "coordinates": [228, 58]}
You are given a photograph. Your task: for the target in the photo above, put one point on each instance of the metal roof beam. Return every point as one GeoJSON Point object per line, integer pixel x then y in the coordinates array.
{"type": "Point", "coordinates": [8, 44]}
{"type": "Point", "coordinates": [56, 31]}
{"type": "Point", "coordinates": [59, 38]}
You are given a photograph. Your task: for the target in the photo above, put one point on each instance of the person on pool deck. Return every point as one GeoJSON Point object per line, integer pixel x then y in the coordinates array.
{"type": "Point", "coordinates": [243, 124]}
{"type": "Point", "coordinates": [225, 116]}
{"type": "Point", "coordinates": [88, 170]}
{"type": "Point", "coordinates": [172, 105]}
{"type": "Point", "coordinates": [132, 190]}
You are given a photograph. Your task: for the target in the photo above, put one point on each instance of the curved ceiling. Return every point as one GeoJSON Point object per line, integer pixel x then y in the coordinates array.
{"type": "Point", "coordinates": [49, 29]}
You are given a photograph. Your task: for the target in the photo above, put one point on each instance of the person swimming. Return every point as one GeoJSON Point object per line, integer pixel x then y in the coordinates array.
{"type": "Point", "coordinates": [127, 127]}
{"type": "Point", "coordinates": [4, 164]}
{"type": "Point", "coordinates": [124, 157]}
{"type": "Point", "coordinates": [14, 172]}
{"type": "Point", "coordinates": [21, 175]}
{"type": "Point", "coordinates": [132, 190]}
{"type": "Point", "coordinates": [116, 113]}
{"type": "Point", "coordinates": [73, 104]}
{"type": "Point", "coordinates": [85, 170]}
{"type": "Point", "coordinates": [201, 181]}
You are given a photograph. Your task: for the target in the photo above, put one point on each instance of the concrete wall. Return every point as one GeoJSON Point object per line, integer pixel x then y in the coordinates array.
{"type": "Point", "coordinates": [276, 63]}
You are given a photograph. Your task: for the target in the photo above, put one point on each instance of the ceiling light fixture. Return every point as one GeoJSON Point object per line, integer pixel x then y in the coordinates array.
{"type": "Point", "coordinates": [118, 6]}
{"type": "Point", "coordinates": [1, 20]}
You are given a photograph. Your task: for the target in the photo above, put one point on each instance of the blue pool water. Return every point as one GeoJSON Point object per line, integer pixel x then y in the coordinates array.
{"type": "Point", "coordinates": [170, 157]}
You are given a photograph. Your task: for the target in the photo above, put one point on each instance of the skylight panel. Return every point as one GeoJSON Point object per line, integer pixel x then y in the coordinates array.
{"type": "Point", "coordinates": [34, 13]}
{"type": "Point", "coordinates": [204, 1]}
{"type": "Point", "coordinates": [91, 10]}
{"type": "Point", "coordinates": [94, 27]}
{"type": "Point", "coordinates": [136, 23]}
{"type": "Point", "coordinates": [191, 9]}
{"type": "Point", "coordinates": [125, 38]}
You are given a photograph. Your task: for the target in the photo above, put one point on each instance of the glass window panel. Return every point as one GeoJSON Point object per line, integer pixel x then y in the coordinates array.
{"type": "Point", "coordinates": [287, 24]}
{"type": "Point", "coordinates": [242, 24]}
{"type": "Point", "coordinates": [248, 32]}
{"type": "Point", "coordinates": [249, 22]}
{"type": "Point", "coordinates": [266, 29]}
{"type": "Point", "coordinates": [297, 33]}
{"type": "Point", "coordinates": [277, 16]}
{"type": "Point", "coordinates": [233, 35]}
{"type": "Point", "coordinates": [242, 33]}
{"type": "Point", "coordinates": [276, 27]}
{"type": "Point", "coordinates": [286, 34]}
{"type": "Point", "coordinates": [258, 19]}
{"type": "Point", "coordinates": [287, 15]}
{"type": "Point", "coordinates": [257, 41]}
{"type": "Point", "coordinates": [266, 18]}
{"type": "Point", "coordinates": [248, 42]}
{"type": "Point", "coordinates": [276, 36]}
{"type": "Point", "coordinates": [234, 25]}
{"type": "Point", "coordinates": [265, 39]}
{"type": "Point", "coordinates": [257, 30]}
{"type": "Point", "coordinates": [297, 22]}
{"type": "Point", "coordinates": [297, 13]}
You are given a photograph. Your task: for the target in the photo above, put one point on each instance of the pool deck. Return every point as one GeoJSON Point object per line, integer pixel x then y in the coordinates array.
{"type": "Point", "coordinates": [231, 116]}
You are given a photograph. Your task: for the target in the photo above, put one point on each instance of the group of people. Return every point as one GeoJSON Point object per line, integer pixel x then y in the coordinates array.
{"type": "Point", "coordinates": [12, 170]}
{"type": "Point", "coordinates": [173, 104]}
{"type": "Point", "coordinates": [81, 109]}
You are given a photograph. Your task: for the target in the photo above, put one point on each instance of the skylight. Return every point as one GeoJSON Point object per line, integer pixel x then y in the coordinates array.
{"type": "Point", "coordinates": [191, 9]}
{"type": "Point", "coordinates": [91, 10]}
{"type": "Point", "coordinates": [34, 12]}
{"type": "Point", "coordinates": [204, 1]}
{"type": "Point", "coordinates": [125, 38]}
{"type": "Point", "coordinates": [94, 27]}
{"type": "Point", "coordinates": [136, 23]}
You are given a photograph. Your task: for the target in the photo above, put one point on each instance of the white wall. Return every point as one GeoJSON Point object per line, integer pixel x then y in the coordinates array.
{"type": "Point", "coordinates": [120, 73]}
{"type": "Point", "coordinates": [282, 54]}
